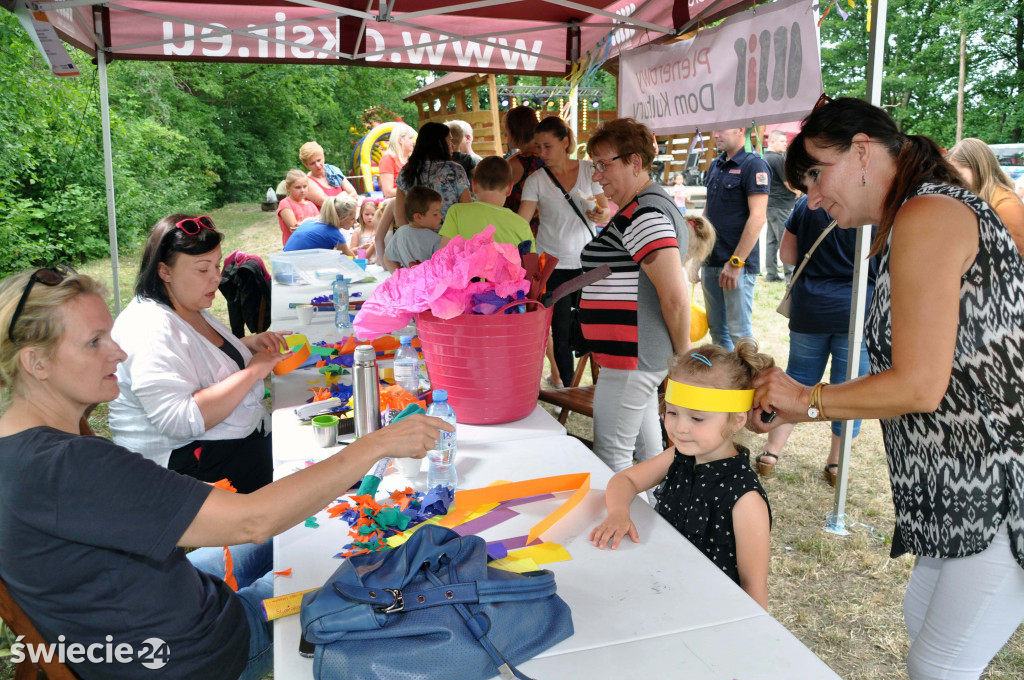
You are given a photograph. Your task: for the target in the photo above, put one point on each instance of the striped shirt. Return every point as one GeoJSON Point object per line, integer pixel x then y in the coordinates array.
{"type": "Point", "coordinates": [620, 316]}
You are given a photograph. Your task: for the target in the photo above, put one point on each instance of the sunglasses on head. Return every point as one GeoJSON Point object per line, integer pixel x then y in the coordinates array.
{"type": "Point", "coordinates": [192, 225]}
{"type": "Point", "coordinates": [822, 101]}
{"type": "Point", "coordinates": [49, 276]}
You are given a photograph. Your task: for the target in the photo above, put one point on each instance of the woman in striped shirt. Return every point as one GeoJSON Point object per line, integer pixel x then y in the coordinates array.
{"type": "Point", "coordinates": [635, 319]}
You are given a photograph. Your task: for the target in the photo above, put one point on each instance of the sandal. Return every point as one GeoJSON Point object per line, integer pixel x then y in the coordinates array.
{"type": "Point", "coordinates": [831, 473]}
{"type": "Point", "coordinates": [764, 469]}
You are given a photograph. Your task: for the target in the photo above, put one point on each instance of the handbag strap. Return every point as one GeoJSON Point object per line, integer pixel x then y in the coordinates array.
{"type": "Point", "coordinates": [479, 625]}
{"type": "Point", "coordinates": [393, 600]}
{"type": "Point", "coordinates": [565, 194]}
{"type": "Point", "coordinates": [807, 257]}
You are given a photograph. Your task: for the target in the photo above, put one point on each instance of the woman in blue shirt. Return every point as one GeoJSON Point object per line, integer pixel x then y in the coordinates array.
{"type": "Point", "coordinates": [337, 213]}
{"type": "Point", "coordinates": [820, 317]}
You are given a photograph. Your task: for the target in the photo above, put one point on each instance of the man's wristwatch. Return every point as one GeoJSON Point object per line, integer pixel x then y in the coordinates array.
{"type": "Point", "coordinates": [815, 411]}
{"type": "Point", "coordinates": [736, 262]}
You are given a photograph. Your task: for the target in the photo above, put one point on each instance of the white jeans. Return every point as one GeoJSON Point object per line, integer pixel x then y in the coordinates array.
{"type": "Point", "coordinates": [961, 611]}
{"type": "Point", "coordinates": [626, 416]}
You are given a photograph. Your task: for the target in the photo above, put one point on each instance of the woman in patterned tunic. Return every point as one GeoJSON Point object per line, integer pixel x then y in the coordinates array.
{"type": "Point", "coordinates": [945, 335]}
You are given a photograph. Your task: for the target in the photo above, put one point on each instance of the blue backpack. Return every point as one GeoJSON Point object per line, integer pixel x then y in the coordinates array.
{"type": "Point", "coordinates": [431, 609]}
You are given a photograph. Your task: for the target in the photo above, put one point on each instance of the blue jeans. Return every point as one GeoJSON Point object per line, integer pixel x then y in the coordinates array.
{"type": "Point", "coordinates": [253, 569]}
{"type": "Point", "coordinates": [729, 311]}
{"type": "Point", "coordinates": [808, 353]}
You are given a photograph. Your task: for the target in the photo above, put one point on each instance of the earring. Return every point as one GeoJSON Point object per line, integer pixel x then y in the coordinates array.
{"type": "Point", "coordinates": [864, 177]}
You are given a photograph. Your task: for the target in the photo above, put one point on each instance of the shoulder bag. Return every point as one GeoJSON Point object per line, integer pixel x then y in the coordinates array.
{"type": "Point", "coordinates": [431, 609]}
{"type": "Point", "coordinates": [565, 194]}
{"type": "Point", "coordinates": [787, 302]}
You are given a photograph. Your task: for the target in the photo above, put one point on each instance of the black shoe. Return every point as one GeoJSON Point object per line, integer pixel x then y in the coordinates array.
{"type": "Point", "coordinates": [772, 279]}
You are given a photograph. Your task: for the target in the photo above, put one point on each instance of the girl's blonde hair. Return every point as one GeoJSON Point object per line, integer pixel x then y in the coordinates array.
{"type": "Point", "coordinates": [976, 155]}
{"type": "Point", "coordinates": [398, 134]}
{"type": "Point", "coordinates": [382, 209]}
{"type": "Point", "coordinates": [728, 370]}
{"type": "Point", "coordinates": [701, 242]}
{"type": "Point", "coordinates": [41, 322]}
{"type": "Point", "coordinates": [293, 176]}
{"type": "Point", "coordinates": [337, 208]}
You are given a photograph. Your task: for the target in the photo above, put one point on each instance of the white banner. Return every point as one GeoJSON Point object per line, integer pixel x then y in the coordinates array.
{"type": "Point", "coordinates": [758, 66]}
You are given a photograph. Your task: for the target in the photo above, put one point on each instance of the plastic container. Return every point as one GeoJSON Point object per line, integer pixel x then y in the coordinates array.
{"type": "Point", "coordinates": [340, 290]}
{"type": "Point", "coordinates": [407, 366]}
{"type": "Point", "coordinates": [441, 458]}
{"type": "Point", "coordinates": [317, 266]}
{"type": "Point", "coordinates": [490, 365]}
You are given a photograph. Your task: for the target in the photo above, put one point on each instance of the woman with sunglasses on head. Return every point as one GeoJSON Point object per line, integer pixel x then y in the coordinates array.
{"type": "Point", "coordinates": [191, 393]}
{"type": "Point", "coordinates": [90, 532]}
{"type": "Point", "coordinates": [945, 339]}
{"type": "Point", "coordinates": [637, 318]}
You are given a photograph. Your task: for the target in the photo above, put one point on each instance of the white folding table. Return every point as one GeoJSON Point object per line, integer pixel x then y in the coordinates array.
{"type": "Point", "coordinates": [659, 605]}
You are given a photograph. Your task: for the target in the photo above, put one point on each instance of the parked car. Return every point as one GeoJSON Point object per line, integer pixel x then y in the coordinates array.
{"type": "Point", "coordinates": [1011, 159]}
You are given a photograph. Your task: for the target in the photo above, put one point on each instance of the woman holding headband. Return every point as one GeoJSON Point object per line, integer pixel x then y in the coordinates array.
{"type": "Point", "coordinates": [945, 339]}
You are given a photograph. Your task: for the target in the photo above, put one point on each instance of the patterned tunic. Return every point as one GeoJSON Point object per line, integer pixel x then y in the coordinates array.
{"type": "Point", "coordinates": [958, 473]}
{"type": "Point", "coordinates": [698, 501]}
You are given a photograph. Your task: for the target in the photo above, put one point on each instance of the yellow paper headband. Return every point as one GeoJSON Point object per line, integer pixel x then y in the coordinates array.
{"type": "Point", "coordinates": [708, 399]}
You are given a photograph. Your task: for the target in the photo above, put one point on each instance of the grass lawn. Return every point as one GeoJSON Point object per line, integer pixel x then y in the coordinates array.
{"type": "Point", "coordinates": [841, 596]}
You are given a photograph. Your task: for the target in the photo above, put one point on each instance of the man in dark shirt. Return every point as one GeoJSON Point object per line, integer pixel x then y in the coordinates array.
{"type": "Point", "coordinates": [737, 200]}
{"type": "Point", "coordinates": [780, 205]}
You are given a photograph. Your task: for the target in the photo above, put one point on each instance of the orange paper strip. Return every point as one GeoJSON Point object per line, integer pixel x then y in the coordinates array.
{"type": "Point", "coordinates": [469, 500]}
{"type": "Point", "coordinates": [284, 572]}
{"type": "Point", "coordinates": [299, 344]}
{"type": "Point", "coordinates": [229, 570]}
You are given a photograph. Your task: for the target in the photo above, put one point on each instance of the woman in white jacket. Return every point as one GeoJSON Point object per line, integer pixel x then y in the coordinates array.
{"type": "Point", "coordinates": [191, 393]}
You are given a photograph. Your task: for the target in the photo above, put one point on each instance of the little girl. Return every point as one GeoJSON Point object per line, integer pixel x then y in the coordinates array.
{"type": "Point", "coordinates": [706, 487]}
{"type": "Point", "coordinates": [294, 208]}
{"type": "Point", "coordinates": [362, 235]}
{"type": "Point", "coordinates": [679, 193]}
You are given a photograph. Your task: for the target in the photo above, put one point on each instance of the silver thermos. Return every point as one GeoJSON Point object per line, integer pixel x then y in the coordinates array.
{"type": "Point", "coordinates": [365, 395]}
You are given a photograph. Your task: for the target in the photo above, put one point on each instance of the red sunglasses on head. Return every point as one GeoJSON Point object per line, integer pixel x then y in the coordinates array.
{"type": "Point", "coordinates": [192, 225]}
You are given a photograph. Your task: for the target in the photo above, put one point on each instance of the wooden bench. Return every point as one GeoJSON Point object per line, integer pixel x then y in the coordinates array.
{"type": "Point", "coordinates": [575, 398]}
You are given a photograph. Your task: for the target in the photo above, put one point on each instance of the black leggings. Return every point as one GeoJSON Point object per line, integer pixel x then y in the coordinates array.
{"type": "Point", "coordinates": [561, 322]}
{"type": "Point", "coordinates": [247, 463]}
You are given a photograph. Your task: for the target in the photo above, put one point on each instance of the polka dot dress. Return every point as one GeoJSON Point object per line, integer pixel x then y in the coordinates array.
{"type": "Point", "coordinates": [698, 501]}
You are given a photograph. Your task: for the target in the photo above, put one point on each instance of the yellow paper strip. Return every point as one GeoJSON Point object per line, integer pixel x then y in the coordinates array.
{"type": "Point", "coordinates": [284, 605]}
{"type": "Point", "coordinates": [514, 565]}
{"type": "Point", "coordinates": [545, 553]}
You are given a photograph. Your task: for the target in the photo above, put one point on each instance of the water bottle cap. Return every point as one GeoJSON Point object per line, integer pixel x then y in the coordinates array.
{"type": "Point", "coordinates": [405, 339]}
{"type": "Point", "coordinates": [440, 395]}
{"type": "Point", "coordinates": [340, 277]}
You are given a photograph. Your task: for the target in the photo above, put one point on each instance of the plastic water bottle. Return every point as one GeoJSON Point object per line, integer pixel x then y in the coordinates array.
{"type": "Point", "coordinates": [442, 456]}
{"type": "Point", "coordinates": [341, 317]}
{"type": "Point", "coordinates": [407, 366]}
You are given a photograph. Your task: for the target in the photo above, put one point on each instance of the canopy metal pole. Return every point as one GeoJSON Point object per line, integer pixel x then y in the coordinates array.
{"type": "Point", "coordinates": [108, 172]}
{"type": "Point", "coordinates": [876, 50]}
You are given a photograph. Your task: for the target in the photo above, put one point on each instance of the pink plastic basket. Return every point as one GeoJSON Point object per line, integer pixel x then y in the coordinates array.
{"type": "Point", "coordinates": [489, 364]}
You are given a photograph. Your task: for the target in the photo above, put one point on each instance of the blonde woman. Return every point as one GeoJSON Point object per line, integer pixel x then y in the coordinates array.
{"type": "Point", "coordinates": [337, 217]}
{"type": "Point", "coordinates": [90, 531]}
{"type": "Point", "coordinates": [324, 179]}
{"type": "Point", "coordinates": [979, 167]}
{"type": "Point", "coordinates": [401, 141]}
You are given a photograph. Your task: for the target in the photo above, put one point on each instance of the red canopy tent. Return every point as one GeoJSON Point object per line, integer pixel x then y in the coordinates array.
{"type": "Point", "coordinates": [544, 37]}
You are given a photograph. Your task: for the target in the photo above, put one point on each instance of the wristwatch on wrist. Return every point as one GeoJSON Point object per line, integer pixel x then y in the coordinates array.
{"type": "Point", "coordinates": [815, 411]}
{"type": "Point", "coordinates": [736, 262]}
